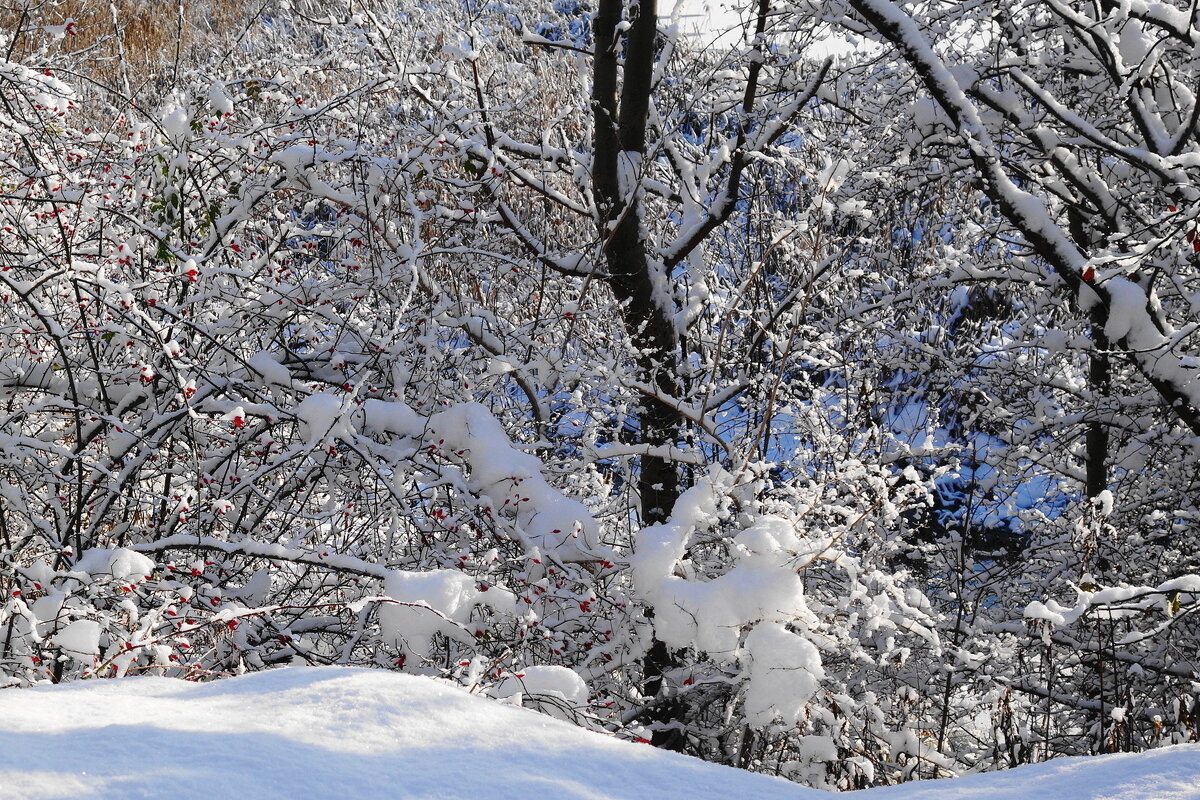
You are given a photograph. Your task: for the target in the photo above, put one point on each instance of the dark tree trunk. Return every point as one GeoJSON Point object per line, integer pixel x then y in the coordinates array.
{"type": "Point", "coordinates": [620, 144]}
{"type": "Point", "coordinates": [1100, 382]}
{"type": "Point", "coordinates": [1084, 233]}
{"type": "Point", "coordinates": [648, 319]}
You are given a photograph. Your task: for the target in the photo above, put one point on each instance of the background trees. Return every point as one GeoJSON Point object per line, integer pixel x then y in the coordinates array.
{"type": "Point", "coordinates": [827, 417]}
{"type": "Point", "coordinates": [1070, 121]}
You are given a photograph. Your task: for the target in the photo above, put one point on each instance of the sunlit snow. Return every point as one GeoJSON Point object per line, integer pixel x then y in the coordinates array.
{"type": "Point", "coordinates": [328, 732]}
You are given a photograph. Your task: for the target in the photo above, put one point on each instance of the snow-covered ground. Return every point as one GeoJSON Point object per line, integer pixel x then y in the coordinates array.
{"type": "Point", "coordinates": [326, 733]}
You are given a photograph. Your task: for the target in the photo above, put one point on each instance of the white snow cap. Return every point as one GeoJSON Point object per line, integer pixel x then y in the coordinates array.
{"type": "Point", "coordinates": [79, 639]}
{"type": "Point", "coordinates": [783, 674]}
{"type": "Point", "coordinates": [271, 370]}
{"type": "Point", "coordinates": [553, 681]}
{"type": "Point", "coordinates": [219, 99]}
{"type": "Point", "coordinates": [429, 603]}
{"type": "Point", "coordinates": [757, 597]}
{"type": "Point", "coordinates": [712, 615]}
{"type": "Point", "coordinates": [177, 124]}
{"type": "Point", "coordinates": [321, 419]}
{"type": "Point", "coordinates": [552, 522]}
{"type": "Point", "coordinates": [122, 564]}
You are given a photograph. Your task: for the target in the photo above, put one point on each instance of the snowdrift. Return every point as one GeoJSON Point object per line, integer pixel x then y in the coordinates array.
{"type": "Point", "coordinates": [326, 733]}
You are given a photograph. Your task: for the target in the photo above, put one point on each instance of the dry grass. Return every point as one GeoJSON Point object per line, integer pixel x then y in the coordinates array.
{"type": "Point", "coordinates": [135, 47]}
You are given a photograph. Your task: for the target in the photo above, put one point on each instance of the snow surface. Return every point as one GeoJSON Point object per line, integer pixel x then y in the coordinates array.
{"type": "Point", "coordinates": [329, 732]}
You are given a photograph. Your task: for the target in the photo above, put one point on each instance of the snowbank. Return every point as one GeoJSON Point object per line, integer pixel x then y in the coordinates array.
{"type": "Point", "coordinates": [1170, 773]}
{"type": "Point", "coordinates": [316, 733]}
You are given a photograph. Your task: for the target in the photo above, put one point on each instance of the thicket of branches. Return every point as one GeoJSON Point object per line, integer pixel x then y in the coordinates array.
{"type": "Point", "coordinates": [826, 415]}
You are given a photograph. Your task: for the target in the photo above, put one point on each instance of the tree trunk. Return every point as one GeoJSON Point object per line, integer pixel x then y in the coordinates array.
{"type": "Point", "coordinates": [640, 286]}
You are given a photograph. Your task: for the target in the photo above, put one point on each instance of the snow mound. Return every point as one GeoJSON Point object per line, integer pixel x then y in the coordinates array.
{"type": "Point", "coordinates": [1169, 773]}
{"type": "Point", "coordinates": [328, 732]}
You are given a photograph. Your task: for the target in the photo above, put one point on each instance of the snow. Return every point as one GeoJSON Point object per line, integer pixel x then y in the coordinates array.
{"type": "Point", "coordinates": [330, 732]}
{"type": "Point", "coordinates": [510, 479]}
{"type": "Point", "coordinates": [760, 593]}
{"type": "Point", "coordinates": [126, 565]}
{"type": "Point", "coordinates": [122, 564]}
{"type": "Point", "coordinates": [724, 22]}
{"type": "Point", "coordinates": [706, 19]}
{"type": "Point", "coordinates": [437, 601]}
{"type": "Point", "coordinates": [784, 670]}
{"type": "Point", "coordinates": [219, 99]}
{"type": "Point", "coordinates": [1052, 613]}
{"type": "Point", "coordinates": [551, 681]}
{"type": "Point", "coordinates": [272, 371]}
{"type": "Point", "coordinates": [513, 480]}
{"type": "Point", "coordinates": [1170, 773]}
{"type": "Point", "coordinates": [1128, 305]}
{"type": "Point", "coordinates": [47, 610]}
{"type": "Point", "coordinates": [315, 733]}
{"type": "Point", "coordinates": [1133, 43]}
{"type": "Point", "coordinates": [80, 638]}
{"type": "Point", "coordinates": [395, 418]}
{"type": "Point", "coordinates": [321, 419]}
{"type": "Point", "coordinates": [176, 124]}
